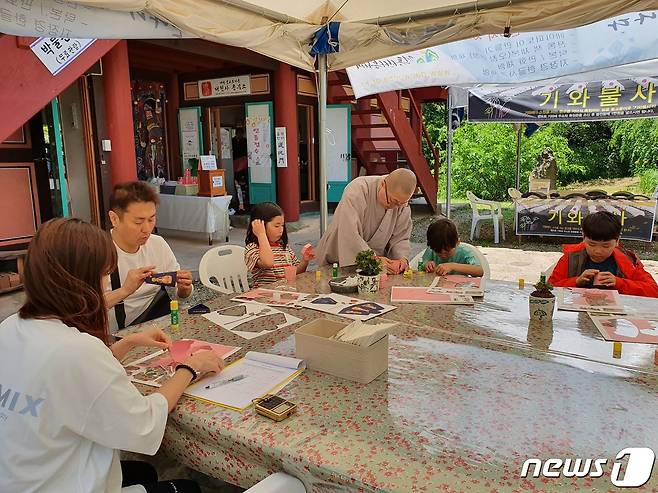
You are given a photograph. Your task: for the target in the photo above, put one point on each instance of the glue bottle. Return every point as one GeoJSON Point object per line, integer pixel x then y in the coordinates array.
{"type": "Point", "coordinates": [173, 306]}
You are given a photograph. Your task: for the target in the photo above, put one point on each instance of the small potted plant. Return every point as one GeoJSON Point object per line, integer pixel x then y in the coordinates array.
{"type": "Point", "coordinates": [368, 268]}
{"type": "Point", "coordinates": [542, 301]}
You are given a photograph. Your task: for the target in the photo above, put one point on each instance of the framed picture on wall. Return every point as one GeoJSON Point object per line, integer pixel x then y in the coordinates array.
{"type": "Point", "coordinates": [20, 139]}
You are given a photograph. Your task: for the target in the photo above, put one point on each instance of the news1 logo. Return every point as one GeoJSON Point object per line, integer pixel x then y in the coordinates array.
{"type": "Point", "coordinates": [637, 472]}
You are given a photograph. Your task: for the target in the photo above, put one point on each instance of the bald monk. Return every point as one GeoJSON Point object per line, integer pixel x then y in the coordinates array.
{"type": "Point", "coordinates": [373, 214]}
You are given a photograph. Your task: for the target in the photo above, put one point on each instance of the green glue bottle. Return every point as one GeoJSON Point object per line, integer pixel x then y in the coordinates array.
{"type": "Point", "coordinates": [175, 321]}
{"type": "Point", "coordinates": [334, 270]}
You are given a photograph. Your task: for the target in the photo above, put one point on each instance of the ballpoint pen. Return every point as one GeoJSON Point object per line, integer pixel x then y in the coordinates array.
{"type": "Point", "coordinates": [219, 383]}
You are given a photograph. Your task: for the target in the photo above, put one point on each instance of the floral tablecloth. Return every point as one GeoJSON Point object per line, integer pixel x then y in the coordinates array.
{"type": "Point", "coordinates": [470, 394]}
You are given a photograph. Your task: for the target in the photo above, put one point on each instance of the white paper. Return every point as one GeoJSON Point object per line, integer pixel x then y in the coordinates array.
{"type": "Point", "coordinates": [208, 163]}
{"type": "Point", "coordinates": [263, 374]}
{"type": "Point", "coordinates": [463, 285]}
{"type": "Point", "coordinates": [252, 311]}
{"type": "Point", "coordinates": [281, 150]}
{"type": "Point", "coordinates": [259, 141]}
{"type": "Point", "coordinates": [589, 300]}
{"type": "Point", "coordinates": [347, 307]}
{"type": "Point", "coordinates": [217, 181]}
{"type": "Point", "coordinates": [190, 144]}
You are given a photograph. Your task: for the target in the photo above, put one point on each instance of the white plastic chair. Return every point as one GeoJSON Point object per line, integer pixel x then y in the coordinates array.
{"type": "Point", "coordinates": [226, 264]}
{"type": "Point", "coordinates": [514, 194]}
{"type": "Point", "coordinates": [549, 270]}
{"type": "Point", "coordinates": [279, 482]}
{"type": "Point", "coordinates": [492, 212]}
{"type": "Point", "coordinates": [476, 251]}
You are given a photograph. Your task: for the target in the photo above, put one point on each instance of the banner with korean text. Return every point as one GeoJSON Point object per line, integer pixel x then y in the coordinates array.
{"type": "Point", "coordinates": [585, 101]}
{"type": "Point", "coordinates": [564, 217]}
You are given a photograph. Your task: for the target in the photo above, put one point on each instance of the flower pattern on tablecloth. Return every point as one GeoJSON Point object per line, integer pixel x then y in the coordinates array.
{"type": "Point", "coordinates": [470, 394]}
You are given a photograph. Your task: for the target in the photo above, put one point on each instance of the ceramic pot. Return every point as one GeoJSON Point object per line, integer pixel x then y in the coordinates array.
{"type": "Point", "coordinates": [541, 309]}
{"type": "Point", "coordinates": [368, 284]}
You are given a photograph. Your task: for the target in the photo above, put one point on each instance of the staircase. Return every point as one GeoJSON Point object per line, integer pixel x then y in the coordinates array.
{"type": "Point", "coordinates": [387, 133]}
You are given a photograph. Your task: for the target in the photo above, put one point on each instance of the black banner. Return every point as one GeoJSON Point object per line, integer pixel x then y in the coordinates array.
{"type": "Point", "coordinates": [601, 100]}
{"type": "Point", "coordinates": [564, 217]}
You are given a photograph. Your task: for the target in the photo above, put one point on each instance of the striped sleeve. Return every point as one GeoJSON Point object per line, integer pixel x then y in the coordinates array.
{"type": "Point", "coordinates": [251, 256]}
{"type": "Point", "coordinates": [293, 258]}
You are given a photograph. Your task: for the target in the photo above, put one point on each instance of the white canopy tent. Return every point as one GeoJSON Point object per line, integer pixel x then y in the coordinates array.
{"type": "Point", "coordinates": [369, 29]}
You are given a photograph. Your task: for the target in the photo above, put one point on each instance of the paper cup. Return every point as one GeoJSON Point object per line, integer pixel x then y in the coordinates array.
{"type": "Point", "coordinates": [290, 272]}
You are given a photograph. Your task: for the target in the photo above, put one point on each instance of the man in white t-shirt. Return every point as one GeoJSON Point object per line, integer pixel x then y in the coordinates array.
{"type": "Point", "coordinates": [140, 254]}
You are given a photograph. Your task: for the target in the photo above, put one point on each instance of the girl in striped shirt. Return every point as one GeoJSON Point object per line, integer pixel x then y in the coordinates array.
{"type": "Point", "coordinates": [267, 251]}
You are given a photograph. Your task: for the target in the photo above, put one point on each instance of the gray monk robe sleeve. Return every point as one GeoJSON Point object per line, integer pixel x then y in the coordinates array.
{"type": "Point", "coordinates": [399, 246]}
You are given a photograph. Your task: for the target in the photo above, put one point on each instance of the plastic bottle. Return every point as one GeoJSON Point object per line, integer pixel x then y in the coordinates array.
{"type": "Point", "coordinates": [334, 270]}
{"type": "Point", "coordinates": [173, 306]}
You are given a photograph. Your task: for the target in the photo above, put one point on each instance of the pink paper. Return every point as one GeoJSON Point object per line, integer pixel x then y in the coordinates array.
{"type": "Point", "coordinates": [306, 248]}
{"type": "Point", "coordinates": [182, 349]}
{"type": "Point", "coordinates": [404, 294]}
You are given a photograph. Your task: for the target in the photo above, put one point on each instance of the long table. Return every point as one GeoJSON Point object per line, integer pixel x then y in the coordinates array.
{"type": "Point", "coordinates": [207, 215]}
{"type": "Point", "coordinates": [470, 394]}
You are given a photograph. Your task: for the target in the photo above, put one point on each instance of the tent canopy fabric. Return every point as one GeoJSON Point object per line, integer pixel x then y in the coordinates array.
{"type": "Point", "coordinates": [370, 29]}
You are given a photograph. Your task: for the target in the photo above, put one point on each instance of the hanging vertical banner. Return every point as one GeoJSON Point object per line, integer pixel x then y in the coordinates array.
{"type": "Point", "coordinates": [281, 149]}
{"type": "Point", "coordinates": [57, 53]}
{"type": "Point", "coordinates": [259, 141]}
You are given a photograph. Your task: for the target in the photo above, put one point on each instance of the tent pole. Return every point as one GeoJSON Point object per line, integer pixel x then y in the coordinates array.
{"type": "Point", "coordinates": [449, 157]}
{"type": "Point", "coordinates": [518, 156]}
{"type": "Point", "coordinates": [322, 131]}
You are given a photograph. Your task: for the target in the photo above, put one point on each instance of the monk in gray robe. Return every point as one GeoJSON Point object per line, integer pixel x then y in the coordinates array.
{"type": "Point", "coordinates": [374, 214]}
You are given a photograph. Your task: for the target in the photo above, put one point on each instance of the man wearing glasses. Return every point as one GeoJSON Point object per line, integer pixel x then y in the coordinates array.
{"type": "Point", "coordinates": [373, 214]}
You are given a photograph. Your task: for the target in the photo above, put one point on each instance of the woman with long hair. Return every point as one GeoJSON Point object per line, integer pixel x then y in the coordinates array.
{"type": "Point", "coordinates": [66, 404]}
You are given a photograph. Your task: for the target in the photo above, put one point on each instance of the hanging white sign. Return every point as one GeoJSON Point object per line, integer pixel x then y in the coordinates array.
{"type": "Point", "coordinates": [281, 149]}
{"type": "Point", "coordinates": [259, 141]}
{"type": "Point", "coordinates": [57, 53]}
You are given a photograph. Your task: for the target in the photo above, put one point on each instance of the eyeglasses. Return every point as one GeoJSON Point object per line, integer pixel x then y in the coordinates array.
{"type": "Point", "coordinates": [393, 203]}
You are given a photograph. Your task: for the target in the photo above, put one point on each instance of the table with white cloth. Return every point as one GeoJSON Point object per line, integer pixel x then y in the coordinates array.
{"type": "Point", "coordinates": [207, 215]}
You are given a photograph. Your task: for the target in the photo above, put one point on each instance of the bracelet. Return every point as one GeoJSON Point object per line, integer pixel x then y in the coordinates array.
{"type": "Point", "coordinates": [188, 368]}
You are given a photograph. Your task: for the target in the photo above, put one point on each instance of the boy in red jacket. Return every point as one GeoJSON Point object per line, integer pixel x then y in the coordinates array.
{"type": "Point", "coordinates": [599, 262]}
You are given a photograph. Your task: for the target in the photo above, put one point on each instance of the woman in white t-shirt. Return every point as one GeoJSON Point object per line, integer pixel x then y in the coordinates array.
{"type": "Point", "coordinates": [66, 404]}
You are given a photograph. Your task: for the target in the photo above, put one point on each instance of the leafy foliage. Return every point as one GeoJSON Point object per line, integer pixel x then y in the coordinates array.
{"type": "Point", "coordinates": [649, 181]}
{"type": "Point", "coordinates": [484, 155]}
{"type": "Point", "coordinates": [367, 263]}
{"type": "Point", "coordinates": [543, 289]}
{"type": "Point", "coordinates": [634, 144]}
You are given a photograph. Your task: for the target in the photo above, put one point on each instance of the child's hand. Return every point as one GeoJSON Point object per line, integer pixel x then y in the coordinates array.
{"type": "Point", "coordinates": [606, 279]}
{"type": "Point", "coordinates": [308, 253]}
{"type": "Point", "coordinates": [258, 227]}
{"type": "Point", "coordinates": [444, 269]}
{"type": "Point", "coordinates": [586, 277]}
{"type": "Point", "coordinates": [430, 267]}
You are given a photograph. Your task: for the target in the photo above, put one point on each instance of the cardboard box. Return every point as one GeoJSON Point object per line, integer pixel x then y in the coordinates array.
{"type": "Point", "coordinates": [191, 189]}
{"type": "Point", "coordinates": [4, 281]}
{"type": "Point", "coordinates": [361, 364]}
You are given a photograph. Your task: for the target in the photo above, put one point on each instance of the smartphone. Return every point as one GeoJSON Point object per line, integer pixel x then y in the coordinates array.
{"type": "Point", "coordinates": [275, 407]}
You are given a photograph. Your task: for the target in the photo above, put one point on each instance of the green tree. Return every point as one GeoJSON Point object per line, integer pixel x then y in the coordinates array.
{"type": "Point", "coordinates": [634, 143]}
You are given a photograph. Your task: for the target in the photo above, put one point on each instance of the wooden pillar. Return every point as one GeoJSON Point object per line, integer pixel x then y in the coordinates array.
{"type": "Point", "coordinates": [285, 115]}
{"type": "Point", "coordinates": [173, 144]}
{"type": "Point", "coordinates": [118, 114]}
